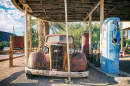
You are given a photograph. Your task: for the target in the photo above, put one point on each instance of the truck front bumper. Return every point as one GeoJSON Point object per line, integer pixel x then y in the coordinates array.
{"type": "Point", "coordinates": [56, 73]}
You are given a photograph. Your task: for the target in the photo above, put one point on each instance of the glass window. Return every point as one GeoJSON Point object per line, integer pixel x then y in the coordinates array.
{"type": "Point", "coordinates": [53, 39]}
{"type": "Point", "coordinates": [59, 39]}
{"type": "Point", "coordinates": [63, 39]}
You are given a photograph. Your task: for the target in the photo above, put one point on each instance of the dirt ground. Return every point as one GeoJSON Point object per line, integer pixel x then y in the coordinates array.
{"type": "Point", "coordinates": [15, 76]}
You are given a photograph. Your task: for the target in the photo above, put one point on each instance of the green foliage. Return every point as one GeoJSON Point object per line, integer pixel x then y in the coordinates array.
{"type": "Point", "coordinates": [96, 32]}
{"type": "Point", "coordinates": [77, 29]}
{"type": "Point", "coordinates": [33, 22]}
{"type": "Point", "coordinates": [34, 37]}
{"type": "Point", "coordinates": [4, 44]}
{"type": "Point", "coordinates": [53, 26]}
{"type": "Point", "coordinates": [124, 41]}
{"type": "Point", "coordinates": [56, 27]}
{"type": "Point", "coordinates": [129, 42]}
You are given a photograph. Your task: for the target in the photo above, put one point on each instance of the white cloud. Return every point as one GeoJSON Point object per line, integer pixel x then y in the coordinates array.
{"type": "Point", "coordinates": [6, 3]}
{"type": "Point", "coordinates": [15, 14]}
{"type": "Point", "coordinates": [10, 17]}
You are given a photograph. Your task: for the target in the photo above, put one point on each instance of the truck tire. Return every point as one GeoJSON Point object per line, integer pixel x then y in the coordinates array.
{"type": "Point", "coordinates": [29, 76]}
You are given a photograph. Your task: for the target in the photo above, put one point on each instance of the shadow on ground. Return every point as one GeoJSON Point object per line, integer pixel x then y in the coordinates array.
{"type": "Point", "coordinates": [19, 79]}
{"type": "Point", "coordinates": [124, 65]}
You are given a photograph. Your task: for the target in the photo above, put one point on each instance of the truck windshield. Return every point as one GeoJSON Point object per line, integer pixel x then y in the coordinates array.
{"type": "Point", "coordinates": [58, 39]}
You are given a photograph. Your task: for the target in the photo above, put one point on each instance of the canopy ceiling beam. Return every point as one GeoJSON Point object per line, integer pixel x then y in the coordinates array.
{"type": "Point", "coordinates": [57, 14]}
{"type": "Point", "coordinates": [57, 7]}
{"type": "Point", "coordinates": [56, 11]}
{"type": "Point", "coordinates": [61, 4]}
{"type": "Point", "coordinates": [74, 1]}
{"type": "Point", "coordinates": [24, 3]}
{"type": "Point", "coordinates": [93, 9]}
{"type": "Point", "coordinates": [47, 9]}
{"type": "Point", "coordinates": [112, 9]}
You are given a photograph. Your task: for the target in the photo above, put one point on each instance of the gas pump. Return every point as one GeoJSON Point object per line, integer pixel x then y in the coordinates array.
{"type": "Point", "coordinates": [110, 45]}
{"type": "Point", "coordinates": [85, 44]}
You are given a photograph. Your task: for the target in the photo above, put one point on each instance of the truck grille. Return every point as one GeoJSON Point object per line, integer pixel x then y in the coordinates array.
{"type": "Point", "coordinates": [57, 56]}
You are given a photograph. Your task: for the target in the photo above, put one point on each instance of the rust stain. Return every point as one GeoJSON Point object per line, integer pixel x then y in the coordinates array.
{"type": "Point", "coordinates": [78, 62]}
{"type": "Point", "coordinates": [38, 60]}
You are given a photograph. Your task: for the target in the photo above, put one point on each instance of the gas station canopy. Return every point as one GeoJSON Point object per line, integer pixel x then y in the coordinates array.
{"type": "Point", "coordinates": [78, 10]}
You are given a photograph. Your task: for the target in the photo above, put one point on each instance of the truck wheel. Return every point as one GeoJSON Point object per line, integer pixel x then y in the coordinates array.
{"type": "Point", "coordinates": [29, 76]}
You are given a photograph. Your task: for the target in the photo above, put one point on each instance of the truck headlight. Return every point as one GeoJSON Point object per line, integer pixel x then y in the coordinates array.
{"type": "Point", "coordinates": [45, 49]}
{"type": "Point", "coordinates": [71, 50]}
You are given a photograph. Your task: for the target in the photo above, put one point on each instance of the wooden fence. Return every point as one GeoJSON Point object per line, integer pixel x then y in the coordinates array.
{"type": "Point", "coordinates": [11, 51]}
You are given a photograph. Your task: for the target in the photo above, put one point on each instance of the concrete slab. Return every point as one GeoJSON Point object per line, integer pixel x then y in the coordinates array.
{"type": "Point", "coordinates": [122, 77]}
{"type": "Point", "coordinates": [124, 64]}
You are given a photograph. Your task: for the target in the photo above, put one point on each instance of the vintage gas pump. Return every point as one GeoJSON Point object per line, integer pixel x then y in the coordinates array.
{"type": "Point", "coordinates": [85, 44]}
{"type": "Point", "coordinates": [110, 45]}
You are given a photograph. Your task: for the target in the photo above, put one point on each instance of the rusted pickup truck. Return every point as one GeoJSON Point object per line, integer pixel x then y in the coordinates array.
{"type": "Point", "coordinates": [52, 61]}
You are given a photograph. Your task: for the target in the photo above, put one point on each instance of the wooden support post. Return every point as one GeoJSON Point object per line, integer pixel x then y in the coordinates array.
{"type": "Point", "coordinates": [66, 19]}
{"type": "Point", "coordinates": [127, 37]}
{"type": "Point", "coordinates": [10, 56]}
{"type": "Point", "coordinates": [122, 33]}
{"type": "Point", "coordinates": [25, 34]}
{"type": "Point", "coordinates": [90, 32]}
{"type": "Point", "coordinates": [101, 21]}
{"type": "Point", "coordinates": [30, 29]}
{"type": "Point", "coordinates": [28, 53]}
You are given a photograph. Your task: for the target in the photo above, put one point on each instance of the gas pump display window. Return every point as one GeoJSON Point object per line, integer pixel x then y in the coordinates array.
{"type": "Point", "coordinates": [114, 40]}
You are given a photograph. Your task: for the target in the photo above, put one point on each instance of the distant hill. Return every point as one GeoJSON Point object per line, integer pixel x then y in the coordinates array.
{"type": "Point", "coordinates": [5, 36]}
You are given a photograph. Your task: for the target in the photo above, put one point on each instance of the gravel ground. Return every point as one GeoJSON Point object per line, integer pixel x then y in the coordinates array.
{"type": "Point", "coordinates": [5, 56]}
{"type": "Point", "coordinates": [15, 76]}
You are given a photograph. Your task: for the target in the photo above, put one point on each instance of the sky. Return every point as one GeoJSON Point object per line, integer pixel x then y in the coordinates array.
{"type": "Point", "coordinates": [10, 16]}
